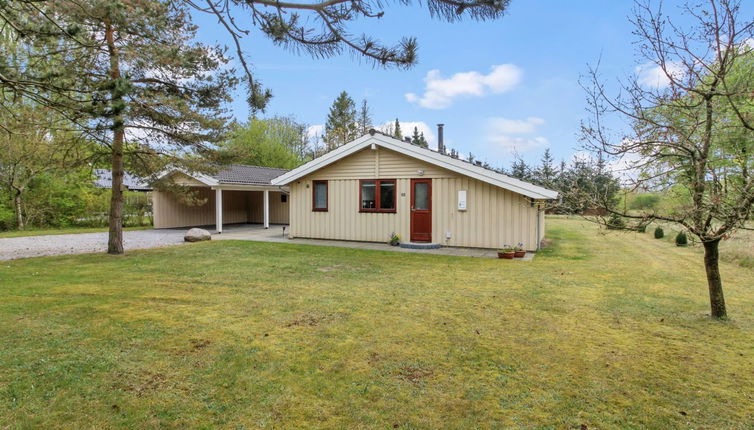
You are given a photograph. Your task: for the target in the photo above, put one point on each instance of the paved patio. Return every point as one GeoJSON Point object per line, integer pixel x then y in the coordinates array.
{"type": "Point", "coordinates": [275, 234]}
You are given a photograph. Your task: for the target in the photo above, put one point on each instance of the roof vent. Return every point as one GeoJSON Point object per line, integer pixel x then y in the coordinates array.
{"type": "Point", "coordinates": [407, 139]}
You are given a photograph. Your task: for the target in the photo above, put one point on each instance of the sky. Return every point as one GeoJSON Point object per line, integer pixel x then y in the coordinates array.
{"type": "Point", "coordinates": [503, 87]}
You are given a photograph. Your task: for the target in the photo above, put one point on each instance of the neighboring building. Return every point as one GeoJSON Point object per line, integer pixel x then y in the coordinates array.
{"type": "Point", "coordinates": [236, 194]}
{"type": "Point", "coordinates": [103, 179]}
{"type": "Point", "coordinates": [377, 185]}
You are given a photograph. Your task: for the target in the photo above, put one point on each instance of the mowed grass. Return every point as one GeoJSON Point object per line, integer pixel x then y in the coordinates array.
{"type": "Point", "coordinates": [602, 330]}
{"type": "Point", "coordinates": [57, 231]}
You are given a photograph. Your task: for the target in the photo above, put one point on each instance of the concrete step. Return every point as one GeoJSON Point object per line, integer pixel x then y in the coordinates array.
{"type": "Point", "coordinates": [420, 245]}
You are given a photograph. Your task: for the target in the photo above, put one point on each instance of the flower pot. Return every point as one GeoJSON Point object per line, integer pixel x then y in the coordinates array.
{"type": "Point", "coordinates": [506, 255]}
{"type": "Point", "coordinates": [519, 254]}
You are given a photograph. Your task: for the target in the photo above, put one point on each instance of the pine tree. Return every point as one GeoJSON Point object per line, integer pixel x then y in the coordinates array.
{"type": "Point", "coordinates": [415, 136]}
{"type": "Point", "coordinates": [135, 69]}
{"type": "Point", "coordinates": [546, 174]}
{"type": "Point", "coordinates": [341, 126]}
{"type": "Point", "coordinates": [520, 170]}
{"type": "Point", "coordinates": [423, 141]}
{"type": "Point", "coordinates": [397, 130]}
{"type": "Point", "coordinates": [365, 118]}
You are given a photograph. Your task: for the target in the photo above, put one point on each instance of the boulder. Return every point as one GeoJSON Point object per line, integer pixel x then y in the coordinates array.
{"type": "Point", "coordinates": [196, 235]}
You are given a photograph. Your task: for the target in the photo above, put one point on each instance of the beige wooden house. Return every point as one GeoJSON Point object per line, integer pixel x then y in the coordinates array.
{"type": "Point", "coordinates": [376, 185]}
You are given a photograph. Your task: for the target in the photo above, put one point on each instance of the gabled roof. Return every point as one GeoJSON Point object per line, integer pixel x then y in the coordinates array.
{"type": "Point", "coordinates": [427, 155]}
{"type": "Point", "coordinates": [235, 174]}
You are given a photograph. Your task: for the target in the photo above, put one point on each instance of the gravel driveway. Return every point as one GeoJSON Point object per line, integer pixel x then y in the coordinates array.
{"type": "Point", "coordinates": [37, 246]}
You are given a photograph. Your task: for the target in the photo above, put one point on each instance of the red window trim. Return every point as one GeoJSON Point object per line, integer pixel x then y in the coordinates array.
{"type": "Point", "coordinates": [314, 195]}
{"type": "Point", "coordinates": [377, 183]}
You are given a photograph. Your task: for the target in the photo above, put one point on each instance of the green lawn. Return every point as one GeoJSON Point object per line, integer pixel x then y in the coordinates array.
{"type": "Point", "coordinates": [67, 230]}
{"type": "Point", "coordinates": [603, 330]}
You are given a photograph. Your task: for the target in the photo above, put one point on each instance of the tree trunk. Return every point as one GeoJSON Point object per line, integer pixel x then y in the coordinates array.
{"type": "Point", "coordinates": [715, 284]}
{"type": "Point", "coordinates": [19, 210]}
{"type": "Point", "coordinates": [115, 239]}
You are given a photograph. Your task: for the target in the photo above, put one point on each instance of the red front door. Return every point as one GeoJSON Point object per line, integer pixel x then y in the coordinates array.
{"type": "Point", "coordinates": [421, 210]}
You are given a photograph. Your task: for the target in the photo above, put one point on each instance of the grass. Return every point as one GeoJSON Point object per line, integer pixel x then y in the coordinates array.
{"type": "Point", "coordinates": [66, 230]}
{"type": "Point", "coordinates": [602, 330]}
{"type": "Point", "coordinates": [738, 249]}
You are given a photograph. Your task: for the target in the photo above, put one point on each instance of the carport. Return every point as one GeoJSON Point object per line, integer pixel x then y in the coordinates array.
{"type": "Point", "coordinates": [237, 194]}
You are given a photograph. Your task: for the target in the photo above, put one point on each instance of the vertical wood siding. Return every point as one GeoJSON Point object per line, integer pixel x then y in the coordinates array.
{"type": "Point", "coordinates": [238, 207]}
{"type": "Point", "coordinates": [494, 216]}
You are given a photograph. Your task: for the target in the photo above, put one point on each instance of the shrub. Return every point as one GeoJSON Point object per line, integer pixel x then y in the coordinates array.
{"type": "Point", "coordinates": [659, 233]}
{"type": "Point", "coordinates": [616, 222]}
{"type": "Point", "coordinates": [681, 239]}
{"type": "Point", "coordinates": [641, 228]}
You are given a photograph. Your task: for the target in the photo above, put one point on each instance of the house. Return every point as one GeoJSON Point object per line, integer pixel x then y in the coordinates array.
{"type": "Point", "coordinates": [377, 185]}
{"type": "Point", "coordinates": [235, 194]}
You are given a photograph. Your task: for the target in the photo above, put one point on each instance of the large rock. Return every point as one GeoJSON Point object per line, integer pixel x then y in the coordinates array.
{"type": "Point", "coordinates": [196, 235]}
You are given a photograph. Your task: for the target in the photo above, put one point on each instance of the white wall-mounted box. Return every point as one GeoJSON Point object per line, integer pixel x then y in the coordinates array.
{"type": "Point", "coordinates": [461, 200]}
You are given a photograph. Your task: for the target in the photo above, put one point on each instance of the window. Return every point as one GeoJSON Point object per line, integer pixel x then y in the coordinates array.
{"type": "Point", "coordinates": [377, 195]}
{"type": "Point", "coordinates": [319, 191]}
{"type": "Point", "coordinates": [283, 198]}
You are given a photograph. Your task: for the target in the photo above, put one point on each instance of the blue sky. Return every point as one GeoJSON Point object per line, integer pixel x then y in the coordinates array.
{"type": "Point", "coordinates": [530, 102]}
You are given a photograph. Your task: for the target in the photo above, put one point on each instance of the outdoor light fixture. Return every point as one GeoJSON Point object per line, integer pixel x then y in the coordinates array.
{"type": "Point", "coordinates": [420, 172]}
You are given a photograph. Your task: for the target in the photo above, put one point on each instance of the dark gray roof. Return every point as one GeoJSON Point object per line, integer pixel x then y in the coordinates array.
{"type": "Point", "coordinates": [247, 175]}
{"type": "Point", "coordinates": [103, 179]}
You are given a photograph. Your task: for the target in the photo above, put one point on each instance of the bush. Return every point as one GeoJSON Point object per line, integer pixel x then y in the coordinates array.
{"type": "Point", "coordinates": [641, 228]}
{"type": "Point", "coordinates": [644, 201]}
{"type": "Point", "coordinates": [616, 222]}
{"type": "Point", "coordinates": [681, 239]}
{"type": "Point", "coordinates": [659, 233]}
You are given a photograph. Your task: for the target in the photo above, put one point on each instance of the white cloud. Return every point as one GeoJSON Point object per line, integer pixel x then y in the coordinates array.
{"type": "Point", "coordinates": [514, 135]}
{"type": "Point", "coordinates": [407, 130]}
{"type": "Point", "coordinates": [315, 131]}
{"type": "Point", "coordinates": [515, 126]}
{"type": "Point", "coordinates": [440, 92]}
{"type": "Point", "coordinates": [653, 76]}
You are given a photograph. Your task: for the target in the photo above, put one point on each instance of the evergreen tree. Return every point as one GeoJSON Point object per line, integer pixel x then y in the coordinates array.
{"type": "Point", "coordinates": [546, 174]}
{"type": "Point", "coordinates": [423, 141]}
{"type": "Point", "coordinates": [138, 84]}
{"type": "Point", "coordinates": [397, 130]}
{"type": "Point", "coordinates": [364, 120]}
{"type": "Point", "coordinates": [341, 126]}
{"type": "Point", "coordinates": [418, 138]}
{"type": "Point", "coordinates": [520, 170]}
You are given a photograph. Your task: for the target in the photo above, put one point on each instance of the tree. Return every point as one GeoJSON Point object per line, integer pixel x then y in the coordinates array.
{"type": "Point", "coordinates": [364, 119]}
{"type": "Point", "coordinates": [397, 130]}
{"type": "Point", "coordinates": [418, 138]}
{"type": "Point", "coordinates": [546, 174]}
{"type": "Point", "coordinates": [693, 135]}
{"type": "Point", "coordinates": [273, 142]}
{"type": "Point", "coordinates": [341, 126]}
{"type": "Point", "coordinates": [519, 169]}
{"type": "Point", "coordinates": [28, 150]}
{"type": "Point", "coordinates": [142, 88]}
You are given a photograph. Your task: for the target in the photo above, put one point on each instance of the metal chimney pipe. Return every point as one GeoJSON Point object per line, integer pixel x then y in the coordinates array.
{"type": "Point", "coordinates": [440, 139]}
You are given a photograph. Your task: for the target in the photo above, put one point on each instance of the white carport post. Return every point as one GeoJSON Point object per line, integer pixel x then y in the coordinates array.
{"type": "Point", "coordinates": [219, 210]}
{"type": "Point", "coordinates": [266, 208]}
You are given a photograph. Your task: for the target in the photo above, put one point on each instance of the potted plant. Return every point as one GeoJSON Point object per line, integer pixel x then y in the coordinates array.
{"type": "Point", "coordinates": [395, 240]}
{"type": "Point", "coordinates": [519, 251]}
{"type": "Point", "coordinates": [506, 252]}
